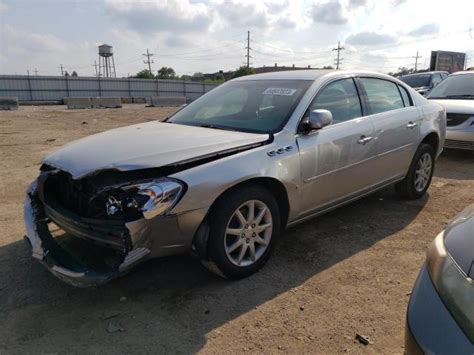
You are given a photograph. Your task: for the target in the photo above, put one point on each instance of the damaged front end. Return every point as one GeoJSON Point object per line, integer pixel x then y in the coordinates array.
{"type": "Point", "coordinates": [91, 230]}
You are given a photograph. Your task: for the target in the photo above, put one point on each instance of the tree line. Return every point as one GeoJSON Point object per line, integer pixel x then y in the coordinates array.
{"type": "Point", "coordinates": [170, 74]}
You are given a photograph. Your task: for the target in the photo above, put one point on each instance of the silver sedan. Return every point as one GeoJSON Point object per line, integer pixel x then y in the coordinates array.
{"type": "Point", "coordinates": [225, 175]}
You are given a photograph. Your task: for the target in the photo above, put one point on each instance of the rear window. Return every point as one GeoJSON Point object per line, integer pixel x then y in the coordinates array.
{"type": "Point", "coordinates": [382, 95]}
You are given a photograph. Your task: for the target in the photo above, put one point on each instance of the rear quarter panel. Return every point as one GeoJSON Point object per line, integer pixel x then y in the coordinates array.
{"type": "Point", "coordinates": [434, 120]}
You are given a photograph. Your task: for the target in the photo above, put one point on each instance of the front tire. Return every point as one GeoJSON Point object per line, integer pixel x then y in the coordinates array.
{"type": "Point", "coordinates": [419, 176]}
{"type": "Point", "coordinates": [244, 226]}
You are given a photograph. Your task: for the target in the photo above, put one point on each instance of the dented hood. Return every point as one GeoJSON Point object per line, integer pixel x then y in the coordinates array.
{"type": "Point", "coordinates": [146, 145]}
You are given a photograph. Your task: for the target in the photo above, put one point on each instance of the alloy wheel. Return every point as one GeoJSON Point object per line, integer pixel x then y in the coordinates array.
{"type": "Point", "coordinates": [248, 233]}
{"type": "Point", "coordinates": [423, 172]}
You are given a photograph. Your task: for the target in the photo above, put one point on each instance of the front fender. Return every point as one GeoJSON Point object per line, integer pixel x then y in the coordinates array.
{"type": "Point", "coordinates": [208, 181]}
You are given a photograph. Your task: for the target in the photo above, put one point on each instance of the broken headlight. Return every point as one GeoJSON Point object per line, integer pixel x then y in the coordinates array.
{"type": "Point", "coordinates": [151, 198]}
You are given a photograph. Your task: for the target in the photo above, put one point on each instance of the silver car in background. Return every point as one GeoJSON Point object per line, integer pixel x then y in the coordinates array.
{"type": "Point", "coordinates": [456, 94]}
{"type": "Point", "coordinates": [225, 175]}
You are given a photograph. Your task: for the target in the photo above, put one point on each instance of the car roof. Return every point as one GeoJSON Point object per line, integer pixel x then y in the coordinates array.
{"type": "Point", "coordinates": [464, 72]}
{"type": "Point", "coordinates": [425, 73]}
{"type": "Point", "coordinates": [308, 74]}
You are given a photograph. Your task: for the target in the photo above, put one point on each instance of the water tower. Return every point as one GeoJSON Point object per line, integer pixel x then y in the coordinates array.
{"type": "Point", "coordinates": [106, 61]}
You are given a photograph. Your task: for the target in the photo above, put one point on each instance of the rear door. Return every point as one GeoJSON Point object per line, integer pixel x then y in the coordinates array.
{"type": "Point", "coordinates": [397, 125]}
{"type": "Point", "coordinates": [337, 161]}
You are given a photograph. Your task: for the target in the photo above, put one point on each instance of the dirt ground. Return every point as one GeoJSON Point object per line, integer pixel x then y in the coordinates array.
{"type": "Point", "coordinates": [347, 272]}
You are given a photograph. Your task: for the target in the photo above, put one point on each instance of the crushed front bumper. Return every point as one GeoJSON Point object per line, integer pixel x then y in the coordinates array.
{"type": "Point", "coordinates": [65, 265]}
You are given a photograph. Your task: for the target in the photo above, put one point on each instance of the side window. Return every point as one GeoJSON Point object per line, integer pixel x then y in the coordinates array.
{"type": "Point", "coordinates": [436, 79]}
{"type": "Point", "coordinates": [405, 96]}
{"type": "Point", "coordinates": [382, 95]}
{"type": "Point", "coordinates": [341, 99]}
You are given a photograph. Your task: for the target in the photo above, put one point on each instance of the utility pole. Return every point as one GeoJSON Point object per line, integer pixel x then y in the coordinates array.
{"type": "Point", "coordinates": [36, 72]}
{"type": "Point", "coordinates": [96, 67]}
{"type": "Point", "coordinates": [338, 59]}
{"type": "Point", "coordinates": [148, 55]}
{"type": "Point", "coordinates": [416, 61]}
{"type": "Point", "coordinates": [62, 69]}
{"type": "Point", "coordinates": [248, 50]}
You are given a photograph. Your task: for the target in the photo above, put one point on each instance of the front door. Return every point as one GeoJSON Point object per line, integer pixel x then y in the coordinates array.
{"type": "Point", "coordinates": [336, 161]}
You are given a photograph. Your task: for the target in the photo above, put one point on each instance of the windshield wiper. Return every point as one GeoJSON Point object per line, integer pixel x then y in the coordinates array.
{"type": "Point", "coordinates": [208, 125]}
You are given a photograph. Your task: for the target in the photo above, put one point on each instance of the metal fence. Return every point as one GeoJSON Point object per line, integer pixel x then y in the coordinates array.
{"type": "Point", "coordinates": [56, 88]}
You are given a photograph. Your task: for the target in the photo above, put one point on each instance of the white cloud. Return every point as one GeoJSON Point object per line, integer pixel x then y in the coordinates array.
{"type": "Point", "coordinates": [357, 3]}
{"type": "Point", "coordinates": [369, 38]}
{"type": "Point", "coordinates": [428, 29]}
{"type": "Point", "coordinates": [3, 7]}
{"type": "Point", "coordinates": [332, 13]}
{"type": "Point", "coordinates": [159, 16]}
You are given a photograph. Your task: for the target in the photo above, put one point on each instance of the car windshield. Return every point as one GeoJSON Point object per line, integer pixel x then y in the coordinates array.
{"type": "Point", "coordinates": [260, 106]}
{"type": "Point", "coordinates": [454, 87]}
{"type": "Point", "coordinates": [416, 81]}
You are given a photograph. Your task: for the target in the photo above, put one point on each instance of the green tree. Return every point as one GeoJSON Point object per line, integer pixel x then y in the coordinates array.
{"type": "Point", "coordinates": [401, 71]}
{"type": "Point", "coordinates": [166, 73]}
{"type": "Point", "coordinates": [242, 71]}
{"type": "Point", "coordinates": [144, 74]}
{"type": "Point", "coordinates": [198, 76]}
{"type": "Point", "coordinates": [220, 76]}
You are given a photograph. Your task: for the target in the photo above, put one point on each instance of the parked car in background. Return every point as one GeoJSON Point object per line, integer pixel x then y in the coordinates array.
{"type": "Point", "coordinates": [424, 82]}
{"type": "Point", "coordinates": [456, 94]}
{"type": "Point", "coordinates": [440, 317]}
{"type": "Point", "coordinates": [226, 174]}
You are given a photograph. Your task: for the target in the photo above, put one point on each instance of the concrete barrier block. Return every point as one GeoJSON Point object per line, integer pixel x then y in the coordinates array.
{"type": "Point", "coordinates": [110, 102]}
{"type": "Point", "coordinates": [106, 102]}
{"type": "Point", "coordinates": [8, 103]}
{"type": "Point", "coordinates": [95, 102]}
{"type": "Point", "coordinates": [78, 102]}
{"type": "Point", "coordinates": [159, 101]}
{"type": "Point", "coordinates": [139, 100]}
{"type": "Point", "coordinates": [127, 100]}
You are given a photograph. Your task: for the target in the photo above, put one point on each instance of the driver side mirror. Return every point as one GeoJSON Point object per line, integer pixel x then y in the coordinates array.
{"type": "Point", "coordinates": [317, 119]}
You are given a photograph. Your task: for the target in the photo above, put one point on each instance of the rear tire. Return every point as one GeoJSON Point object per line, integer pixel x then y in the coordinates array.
{"type": "Point", "coordinates": [419, 176]}
{"type": "Point", "coordinates": [244, 226]}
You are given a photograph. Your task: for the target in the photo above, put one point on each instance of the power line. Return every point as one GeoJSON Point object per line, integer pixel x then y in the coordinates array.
{"type": "Point", "coordinates": [148, 61]}
{"type": "Point", "coordinates": [205, 49]}
{"type": "Point", "coordinates": [338, 59]}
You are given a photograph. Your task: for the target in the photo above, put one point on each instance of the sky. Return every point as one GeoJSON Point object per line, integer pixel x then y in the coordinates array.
{"type": "Point", "coordinates": [210, 35]}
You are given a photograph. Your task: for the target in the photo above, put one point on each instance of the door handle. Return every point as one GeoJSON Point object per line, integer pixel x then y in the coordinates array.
{"type": "Point", "coordinates": [412, 125]}
{"type": "Point", "coordinates": [364, 140]}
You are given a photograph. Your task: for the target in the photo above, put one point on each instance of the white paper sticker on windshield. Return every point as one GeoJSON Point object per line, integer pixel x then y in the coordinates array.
{"type": "Point", "coordinates": [279, 91]}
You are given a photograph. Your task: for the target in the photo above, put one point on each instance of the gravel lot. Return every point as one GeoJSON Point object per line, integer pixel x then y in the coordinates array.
{"type": "Point", "coordinates": [350, 271]}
